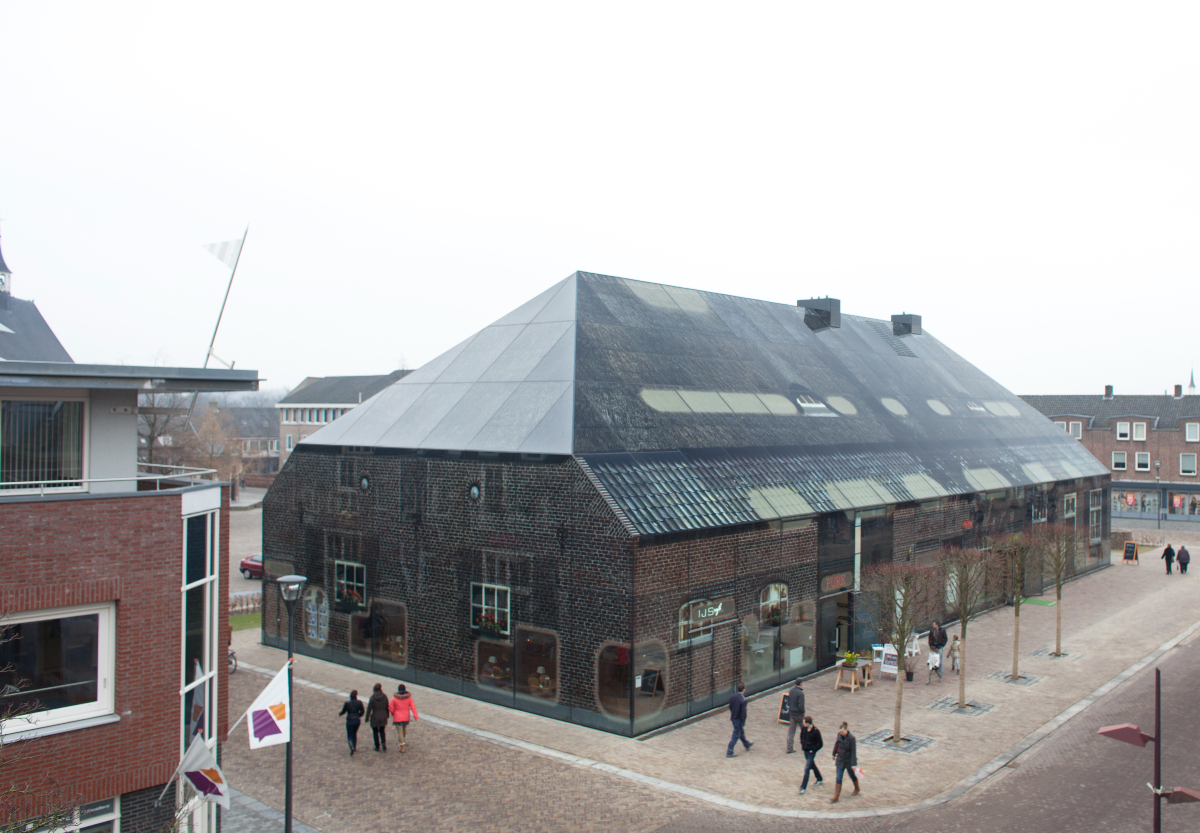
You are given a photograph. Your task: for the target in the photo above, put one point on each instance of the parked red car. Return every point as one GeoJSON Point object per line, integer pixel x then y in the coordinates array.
{"type": "Point", "coordinates": [252, 567]}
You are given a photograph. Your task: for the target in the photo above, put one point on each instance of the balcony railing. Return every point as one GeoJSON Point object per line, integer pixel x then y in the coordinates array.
{"type": "Point", "coordinates": [156, 473]}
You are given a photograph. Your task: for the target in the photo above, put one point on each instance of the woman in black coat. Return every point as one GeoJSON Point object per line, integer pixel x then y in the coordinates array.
{"type": "Point", "coordinates": [353, 709]}
{"type": "Point", "coordinates": [377, 716]}
{"type": "Point", "coordinates": [845, 754]}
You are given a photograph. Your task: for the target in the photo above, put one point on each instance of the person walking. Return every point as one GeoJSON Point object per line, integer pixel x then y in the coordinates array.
{"type": "Point", "coordinates": [795, 700]}
{"type": "Point", "coordinates": [1169, 557]}
{"type": "Point", "coordinates": [935, 664]}
{"type": "Point", "coordinates": [353, 709]}
{"type": "Point", "coordinates": [737, 716]}
{"type": "Point", "coordinates": [810, 745]}
{"type": "Point", "coordinates": [953, 653]}
{"type": "Point", "coordinates": [845, 755]}
{"type": "Point", "coordinates": [937, 641]}
{"type": "Point", "coordinates": [1183, 558]}
{"type": "Point", "coordinates": [403, 710]}
{"type": "Point", "coordinates": [377, 716]}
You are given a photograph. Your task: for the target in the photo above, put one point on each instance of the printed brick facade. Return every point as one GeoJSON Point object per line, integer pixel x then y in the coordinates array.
{"type": "Point", "coordinates": [124, 549]}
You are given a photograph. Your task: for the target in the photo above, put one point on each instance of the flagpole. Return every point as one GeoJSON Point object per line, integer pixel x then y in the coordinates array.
{"type": "Point", "coordinates": [220, 315]}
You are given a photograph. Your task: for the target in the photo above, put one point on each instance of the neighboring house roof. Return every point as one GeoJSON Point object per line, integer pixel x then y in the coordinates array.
{"type": "Point", "coordinates": [695, 409]}
{"type": "Point", "coordinates": [339, 390]}
{"type": "Point", "coordinates": [254, 422]}
{"type": "Point", "coordinates": [1163, 411]}
{"type": "Point", "coordinates": [25, 336]}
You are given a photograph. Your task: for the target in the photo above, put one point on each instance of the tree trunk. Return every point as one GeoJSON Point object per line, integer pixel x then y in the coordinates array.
{"type": "Point", "coordinates": [901, 660]}
{"type": "Point", "coordinates": [962, 668]}
{"type": "Point", "coordinates": [1058, 621]}
{"type": "Point", "coordinates": [1016, 641]}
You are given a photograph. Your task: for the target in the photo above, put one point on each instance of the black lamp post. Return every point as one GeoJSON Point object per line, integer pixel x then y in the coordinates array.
{"type": "Point", "coordinates": [1158, 491]}
{"type": "Point", "coordinates": [290, 587]}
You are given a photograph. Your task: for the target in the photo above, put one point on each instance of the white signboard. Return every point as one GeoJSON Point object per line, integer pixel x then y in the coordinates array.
{"type": "Point", "coordinates": [889, 664]}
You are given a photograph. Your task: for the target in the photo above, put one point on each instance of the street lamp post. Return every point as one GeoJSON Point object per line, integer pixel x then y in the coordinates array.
{"type": "Point", "coordinates": [1158, 491]}
{"type": "Point", "coordinates": [290, 587]}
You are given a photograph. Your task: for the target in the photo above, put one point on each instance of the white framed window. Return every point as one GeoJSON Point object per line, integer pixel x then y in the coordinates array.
{"type": "Point", "coordinates": [693, 629]}
{"type": "Point", "coordinates": [1139, 432]}
{"type": "Point", "coordinates": [1062, 425]}
{"type": "Point", "coordinates": [290, 441]}
{"type": "Point", "coordinates": [1141, 461]}
{"type": "Point", "coordinates": [1122, 430]}
{"type": "Point", "coordinates": [43, 441]}
{"type": "Point", "coordinates": [1077, 430]}
{"type": "Point", "coordinates": [1095, 515]}
{"type": "Point", "coordinates": [490, 607]}
{"type": "Point", "coordinates": [200, 603]}
{"type": "Point", "coordinates": [57, 665]}
{"type": "Point", "coordinates": [1118, 461]}
{"type": "Point", "coordinates": [1069, 505]}
{"type": "Point", "coordinates": [350, 582]}
{"type": "Point", "coordinates": [1191, 432]}
{"type": "Point", "coordinates": [1187, 465]}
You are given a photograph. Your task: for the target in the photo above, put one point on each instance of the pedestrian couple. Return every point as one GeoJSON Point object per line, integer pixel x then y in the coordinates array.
{"type": "Point", "coordinates": [401, 708]}
{"type": "Point", "coordinates": [1183, 558]}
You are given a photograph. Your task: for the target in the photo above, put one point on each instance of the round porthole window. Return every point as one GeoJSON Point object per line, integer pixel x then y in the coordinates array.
{"type": "Point", "coordinates": [475, 491]}
{"type": "Point", "coordinates": [365, 483]}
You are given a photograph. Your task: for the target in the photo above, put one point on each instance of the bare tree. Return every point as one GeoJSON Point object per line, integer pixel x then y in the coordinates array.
{"type": "Point", "coordinates": [1058, 547]}
{"type": "Point", "coordinates": [27, 801]}
{"type": "Point", "coordinates": [902, 598]}
{"type": "Point", "coordinates": [971, 578]}
{"type": "Point", "coordinates": [210, 442]}
{"type": "Point", "coordinates": [1018, 558]}
{"type": "Point", "coordinates": [161, 416]}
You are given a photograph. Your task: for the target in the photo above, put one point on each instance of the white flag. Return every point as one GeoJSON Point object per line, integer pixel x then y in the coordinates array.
{"type": "Point", "coordinates": [202, 772]}
{"type": "Point", "coordinates": [227, 252]}
{"type": "Point", "coordinates": [199, 702]}
{"type": "Point", "coordinates": [270, 715]}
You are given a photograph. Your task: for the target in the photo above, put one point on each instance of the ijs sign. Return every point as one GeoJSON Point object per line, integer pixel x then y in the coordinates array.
{"type": "Point", "coordinates": [837, 583]}
{"type": "Point", "coordinates": [706, 613]}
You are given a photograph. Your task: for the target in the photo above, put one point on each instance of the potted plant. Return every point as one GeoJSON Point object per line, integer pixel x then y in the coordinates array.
{"type": "Point", "coordinates": [850, 660]}
{"type": "Point", "coordinates": [488, 625]}
{"type": "Point", "coordinates": [348, 601]}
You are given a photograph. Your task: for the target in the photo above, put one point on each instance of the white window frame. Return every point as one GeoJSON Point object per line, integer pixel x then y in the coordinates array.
{"type": "Point", "coordinates": [341, 585]}
{"type": "Point", "coordinates": [1077, 430]}
{"type": "Point", "coordinates": [1120, 460]}
{"type": "Point", "coordinates": [106, 654]}
{"type": "Point", "coordinates": [1095, 515]}
{"type": "Point", "coordinates": [1062, 425]}
{"type": "Point", "coordinates": [209, 662]}
{"type": "Point", "coordinates": [1141, 461]}
{"type": "Point", "coordinates": [290, 442]}
{"type": "Point", "coordinates": [483, 608]}
{"type": "Point", "coordinates": [1191, 432]}
{"type": "Point", "coordinates": [85, 451]}
{"type": "Point", "coordinates": [700, 635]}
{"type": "Point", "coordinates": [1139, 432]}
{"type": "Point", "coordinates": [1122, 431]}
{"type": "Point", "coordinates": [1182, 470]}
{"type": "Point", "coordinates": [1069, 505]}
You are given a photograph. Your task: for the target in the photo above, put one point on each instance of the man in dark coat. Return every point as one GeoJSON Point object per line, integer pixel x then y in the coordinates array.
{"type": "Point", "coordinates": [810, 744]}
{"type": "Point", "coordinates": [377, 716]}
{"type": "Point", "coordinates": [937, 639]}
{"type": "Point", "coordinates": [737, 716]}
{"type": "Point", "coordinates": [1169, 557]}
{"type": "Point", "coordinates": [845, 756]}
{"type": "Point", "coordinates": [795, 699]}
{"type": "Point", "coordinates": [1183, 557]}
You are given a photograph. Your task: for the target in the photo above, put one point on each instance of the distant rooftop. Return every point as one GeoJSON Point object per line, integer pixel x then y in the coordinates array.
{"type": "Point", "coordinates": [1164, 410]}
{"type": "Point", "coordinates": [339, 390]}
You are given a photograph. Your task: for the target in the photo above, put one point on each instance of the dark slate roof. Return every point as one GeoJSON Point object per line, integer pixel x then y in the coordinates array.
{"type": "Point", "coordinates": [254, 422]}
{"type": "Point", "coordinates": [1163, 412]}
{"type": "Point", "coordinates": [26, 337]}
{"type": "Point", "coordinates": [696, 409]}
{"type": "Point", "coordinates": [340, 390]}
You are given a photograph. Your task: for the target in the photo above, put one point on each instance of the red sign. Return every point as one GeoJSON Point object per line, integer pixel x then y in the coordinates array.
{"type": "Point", "coordinates": [968, 524]}
{"type": "Point", "coordinates": [1130, 500]}
{"type": "Point", "coordinates": [1177, 501]}
{"type": "Point", "coordinates": [837, 582]}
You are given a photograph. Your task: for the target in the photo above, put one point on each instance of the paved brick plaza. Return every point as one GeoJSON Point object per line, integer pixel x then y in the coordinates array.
{"type": "Point", "coordinates": [451, 776]}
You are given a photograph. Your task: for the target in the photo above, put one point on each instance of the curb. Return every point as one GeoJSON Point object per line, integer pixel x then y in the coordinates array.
{"type": "Point", "coordinates": [973, 780]}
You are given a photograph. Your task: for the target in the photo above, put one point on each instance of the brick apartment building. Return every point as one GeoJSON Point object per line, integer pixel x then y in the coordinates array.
{"type": "Point", "coordinates": [99, 639]}
{"type": "Point", "coordinates": [622, 498]}
{"type": "Point", "coordinates": [1149, 443]}
{"type": "Point", "coordinates": [319, 400]}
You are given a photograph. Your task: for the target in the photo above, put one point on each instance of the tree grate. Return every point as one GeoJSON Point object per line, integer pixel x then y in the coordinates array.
{"type": "Point", "coordinates": [1048, 653]}
{"type": "Point", "coordinates": [882, 740]}
{"type": "Point", "coordinates": [1003, 677]}
{"type": "Point", "coordinates": [950, 704]}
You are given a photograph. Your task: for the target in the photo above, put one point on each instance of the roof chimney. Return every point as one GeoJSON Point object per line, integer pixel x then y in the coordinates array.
{"type": "Point", "coordinates": [904, 324]}
{"type": "Point", "coordinates": [1179, 391]}
{"type": "Point", "coordinates": [820, 313]}
{"type": "Point", "coordinates": [1108, 391]}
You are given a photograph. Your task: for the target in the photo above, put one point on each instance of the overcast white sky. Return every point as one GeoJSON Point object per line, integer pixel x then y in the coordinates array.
{"type": "Point", "coordinates": [1024, 175]}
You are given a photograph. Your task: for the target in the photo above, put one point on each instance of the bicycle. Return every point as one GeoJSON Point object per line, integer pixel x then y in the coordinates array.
{"type": "Point", "coordinates": [232, 660]}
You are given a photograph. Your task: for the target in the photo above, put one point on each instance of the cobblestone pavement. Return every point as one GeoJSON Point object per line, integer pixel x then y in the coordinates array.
{"type": "Point", "coordinates": [1111, 620]}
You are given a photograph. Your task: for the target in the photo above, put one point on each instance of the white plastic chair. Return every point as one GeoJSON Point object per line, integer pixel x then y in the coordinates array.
{"type": "Point", "coordinates": [913, 649]}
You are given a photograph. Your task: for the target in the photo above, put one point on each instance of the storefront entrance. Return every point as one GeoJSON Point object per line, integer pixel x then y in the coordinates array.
{"type": "Point", "coordinates": [835, 630]}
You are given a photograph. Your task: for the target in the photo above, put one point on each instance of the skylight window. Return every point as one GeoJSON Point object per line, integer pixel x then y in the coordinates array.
{"type": "Point", "coordinates": [975, 406]}
{"type": "Point", "coordinates": [811, 406]}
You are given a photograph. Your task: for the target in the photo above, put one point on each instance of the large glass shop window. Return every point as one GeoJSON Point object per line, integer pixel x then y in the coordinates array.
{"type": "Point", "coordinates": [645, 667]}
{"type": "Point", "coordinates": [1134, 502]}
{"type": "Point", "coordinates": [778, 637]}
{"type": "Point", "coordinates": [537, 663]}
{"type": "Point", "coordinates": [494, 667]}
{"type": "Point", "coordinates": [315, 614]}
{"type": "Point", "coordinates": [381, 632]}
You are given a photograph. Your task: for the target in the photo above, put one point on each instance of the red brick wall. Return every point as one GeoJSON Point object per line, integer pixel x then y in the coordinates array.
{"type": "Point", "coordinates": [125, 549]}
{"type": "Point", "coordinates": [1162, 445]}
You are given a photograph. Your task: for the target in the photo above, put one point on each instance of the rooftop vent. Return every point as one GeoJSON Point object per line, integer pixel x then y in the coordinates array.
{"type": "Point", "coordinates": [1108, 391]}
{"type": "Point", "coordinates": [820, 313]}
{"type": "Point", "coordinates": [905, 324]}
{"type": "Point", "coordinates": [1179, 391]}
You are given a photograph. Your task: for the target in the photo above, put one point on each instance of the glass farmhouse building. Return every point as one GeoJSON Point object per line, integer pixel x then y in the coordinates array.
{"type": "Point", "coordinates": [622, 498]}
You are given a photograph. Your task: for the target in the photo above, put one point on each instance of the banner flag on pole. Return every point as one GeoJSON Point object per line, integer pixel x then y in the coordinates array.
{"type": "Point", "coordinates": [270, 715]}
{"type": "Point", "coordinates": [226, 252]}
{"type": "Point", "coordinates": [199, 702]}
{"type": "Point", "coordinates": [201, 771]}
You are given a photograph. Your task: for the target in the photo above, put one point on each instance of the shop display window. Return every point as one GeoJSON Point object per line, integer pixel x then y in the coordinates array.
{"type": "Point", "coordinates": [779, 638]}
{"type": "Point", "coordinates": [1183, 503]}
{"type": "Point", "coordinates": [537, 663]}
{"type": "Point", "coordinates": [494, 667]}
{"type": "Point", "coordinates": [381, 632]}
{"type": "Point", "coordinates": [316, 617]}
{"type": "Point", "coordinates": [693, 628]}
{"type": "Point", "coordinates": [646, 667]}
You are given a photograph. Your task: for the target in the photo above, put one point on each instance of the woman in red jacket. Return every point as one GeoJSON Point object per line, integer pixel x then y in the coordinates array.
{"type": "Point", "coordinates": [403, 710]}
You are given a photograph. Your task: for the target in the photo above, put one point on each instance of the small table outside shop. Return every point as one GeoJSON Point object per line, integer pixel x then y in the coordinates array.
{"type": "Point", "coordinates": [854, 678]}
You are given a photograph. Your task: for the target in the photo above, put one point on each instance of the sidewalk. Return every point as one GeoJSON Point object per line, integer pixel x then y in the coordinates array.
{"type": "Point", "coordinates": [1111, 620]}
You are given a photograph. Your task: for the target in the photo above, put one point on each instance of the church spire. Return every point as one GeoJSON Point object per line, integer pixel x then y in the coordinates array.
{"type": "Point", "coordinates": [1191, 384]}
